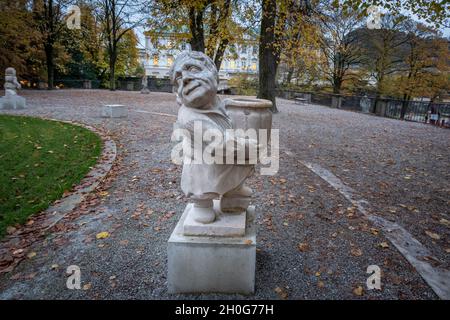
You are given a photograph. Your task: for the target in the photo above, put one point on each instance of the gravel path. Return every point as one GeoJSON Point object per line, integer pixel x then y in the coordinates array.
{"type": "Point", "coordinates": [311, 243]}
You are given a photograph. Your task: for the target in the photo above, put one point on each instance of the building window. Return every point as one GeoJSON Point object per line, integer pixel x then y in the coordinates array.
{"type": "Point", "coordinates": [169, 60]}
{"type": "Point", "coordinates": [155, 60]}
{"type": "Point", "coordinates": [183, 46]}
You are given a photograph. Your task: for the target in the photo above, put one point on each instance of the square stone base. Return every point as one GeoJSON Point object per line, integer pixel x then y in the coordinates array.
{"type": "Point", "coordinates": [202, 264]}
{"type": "Point", "coordinates": [12, 102]}
{"type": "Point", "coordinates": [114, 111]}
{"type": "Point", "coordinates": [226, 225]}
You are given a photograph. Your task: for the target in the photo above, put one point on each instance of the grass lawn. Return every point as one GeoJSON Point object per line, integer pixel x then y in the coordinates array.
{"type": "Point", "coordinates": [39, 160]}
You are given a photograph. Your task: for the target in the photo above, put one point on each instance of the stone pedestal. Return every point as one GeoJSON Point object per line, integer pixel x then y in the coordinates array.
{"type": "Point", "coordinates": [336, 101]}
{"type": "Point", "coordinates": [225, 225]}
{"type": "Point", "coordinates": [364, 104]}
{"type": "Point", "coordinates": [145, 90]}
{"type": "Point", "coordinates": [212, 264]}
{"type": "Point", "coordinates": [87, 84]}
{"type": "Point", "coordinates": [12, 102]}
{"type": "Point", "coordinates": [114, 111]}
{"type": "Point", "coordinates": [381, 107]}
{"type": "Point", "coordinates": [307, 97]}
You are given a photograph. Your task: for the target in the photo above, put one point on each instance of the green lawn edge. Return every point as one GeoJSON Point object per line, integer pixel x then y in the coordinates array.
{"type": "Point", "coordinates": [40, 159]}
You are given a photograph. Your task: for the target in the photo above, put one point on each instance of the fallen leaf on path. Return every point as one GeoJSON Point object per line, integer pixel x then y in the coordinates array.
{"type": "Point", "coordinates": [303, 246]}
{"type": "Point", "coordinates": [31, 255]}
{"type": "Point", "coordinates": [102, 235]}
{"type": "Point", "coordinates": [445, 222]}
{"type": "Point", "coordinates": [384, 245]}
{"type": "Point", "coordinates": [17, 252]}
{"type": "Point", "coordinates": [358, 291]}
{"type": "Point", "coordinates": [433, 235]}
{"type": "Point", "coordinates": [356, 252]}
{"type": "Point", "coordinates": [10, 230]}
{"type": "Point", "coordinates": [87, 286]}
{"type": "Point", "coordinates": [281, 292]}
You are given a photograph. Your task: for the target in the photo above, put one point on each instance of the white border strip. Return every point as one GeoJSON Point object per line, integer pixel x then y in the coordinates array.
{"type": "Point", "coordinates": [437, 278]}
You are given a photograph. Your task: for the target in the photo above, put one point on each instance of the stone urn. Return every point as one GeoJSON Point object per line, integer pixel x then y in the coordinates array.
{"type": "Point", "coordinates": [250, 113]}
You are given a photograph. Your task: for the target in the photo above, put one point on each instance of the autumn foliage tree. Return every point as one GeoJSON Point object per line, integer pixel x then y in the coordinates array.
{"type": "Point", "coordinates": [280, 21]}
{"type": "Point", "coordinates": [340, 45]}
{"type": "Point", "coordinates": [426, 64]}
{"type": "Point", "coordinates": [18, 38]}
{"type": "Point", "coordinates": [117, 18]}
{"type": "Point", "coordinates": [209, 26]}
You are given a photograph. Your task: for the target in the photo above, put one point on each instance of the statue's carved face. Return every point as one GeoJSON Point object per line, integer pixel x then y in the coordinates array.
{"type": "Point", "coordinates": [195, 82]}
{"type": "Point", "coordinates": [10, 72]}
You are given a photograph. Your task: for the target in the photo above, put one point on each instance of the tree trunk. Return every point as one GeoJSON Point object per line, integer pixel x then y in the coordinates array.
{"type": "Point", "coordinates": [112, 73]}
{"type": "Point", "coordinates": [50, 65]}
{"type": "Point", "coordinates": [337, 85]}
{"type": "Point", "coordinates": [220, 52]}
{"type": "Point", "coordinates": [268, 57]}
{"type": "Point", "coordinates": [405, 103]}
{"type": "Point", "coordinates": [196, 27]}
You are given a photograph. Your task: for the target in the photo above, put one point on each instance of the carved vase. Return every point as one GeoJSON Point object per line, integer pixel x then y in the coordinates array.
{"type": "Point", "coordinates": [249, 113]}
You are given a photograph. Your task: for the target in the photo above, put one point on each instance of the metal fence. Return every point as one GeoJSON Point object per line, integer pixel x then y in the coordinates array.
{"type": "Point", "coordinates": [417, 111]}
{"type": "Point", "coordinates": [77, 84]}
{"type": "Point", "coordinates": [127, 84]}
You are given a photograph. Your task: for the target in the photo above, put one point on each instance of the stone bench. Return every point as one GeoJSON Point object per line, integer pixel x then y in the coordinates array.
{"type": "Point", "coordinates": [301, 100]}
{"type": "Point", "coordinates": [114, 111]}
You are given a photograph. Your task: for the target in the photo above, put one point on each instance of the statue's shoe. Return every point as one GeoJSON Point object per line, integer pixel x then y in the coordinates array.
{"type": "Point", "coordinates": [203, 215]}
{"type": "Point", "coordinates": [234, 204]}
{"type": "Point", "coordinates": [243, 191]}
{"type": "Point", "coordinates": [236, 201]}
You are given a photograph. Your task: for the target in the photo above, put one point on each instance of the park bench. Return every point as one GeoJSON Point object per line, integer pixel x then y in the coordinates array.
{"type": "Point", "coordinates": [300, 100]}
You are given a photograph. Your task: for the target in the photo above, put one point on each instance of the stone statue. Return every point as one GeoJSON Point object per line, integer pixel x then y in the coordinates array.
{"type": "Point", "coordinates": [195, 79]}
{"type": "Point", "coordinates": [11, 100]}
{"type": "Point", "coordinates": [365, 103]}
{"type": "Point", "coordinates": [213, 246]}
{"type": "Point", "coordinates": [144, 83]}
{"type": "Point", "coordinates": [11, 83]}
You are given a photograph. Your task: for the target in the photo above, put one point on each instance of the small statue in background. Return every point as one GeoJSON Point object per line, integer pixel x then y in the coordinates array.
{"type": "Point", "coordinates": [11, 83]}
{"type": "Point", "coordinates": [12, 100]}
{"type": "Point", "coordinates": [144, 83]}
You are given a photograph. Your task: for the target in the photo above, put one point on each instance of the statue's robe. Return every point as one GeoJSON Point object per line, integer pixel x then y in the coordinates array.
{"type": "Point", "coordinates": [204, 181]}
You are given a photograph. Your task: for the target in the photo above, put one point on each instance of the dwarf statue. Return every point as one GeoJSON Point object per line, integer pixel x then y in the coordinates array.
{"type": "Point", "coordinates": [195, 79]}
{"type": "Point", "coordinates": [11, 83]}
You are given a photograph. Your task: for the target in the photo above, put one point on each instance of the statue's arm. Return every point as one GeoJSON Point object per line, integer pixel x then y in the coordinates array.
{"type": "Point", "coordinates": [17, 83]}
